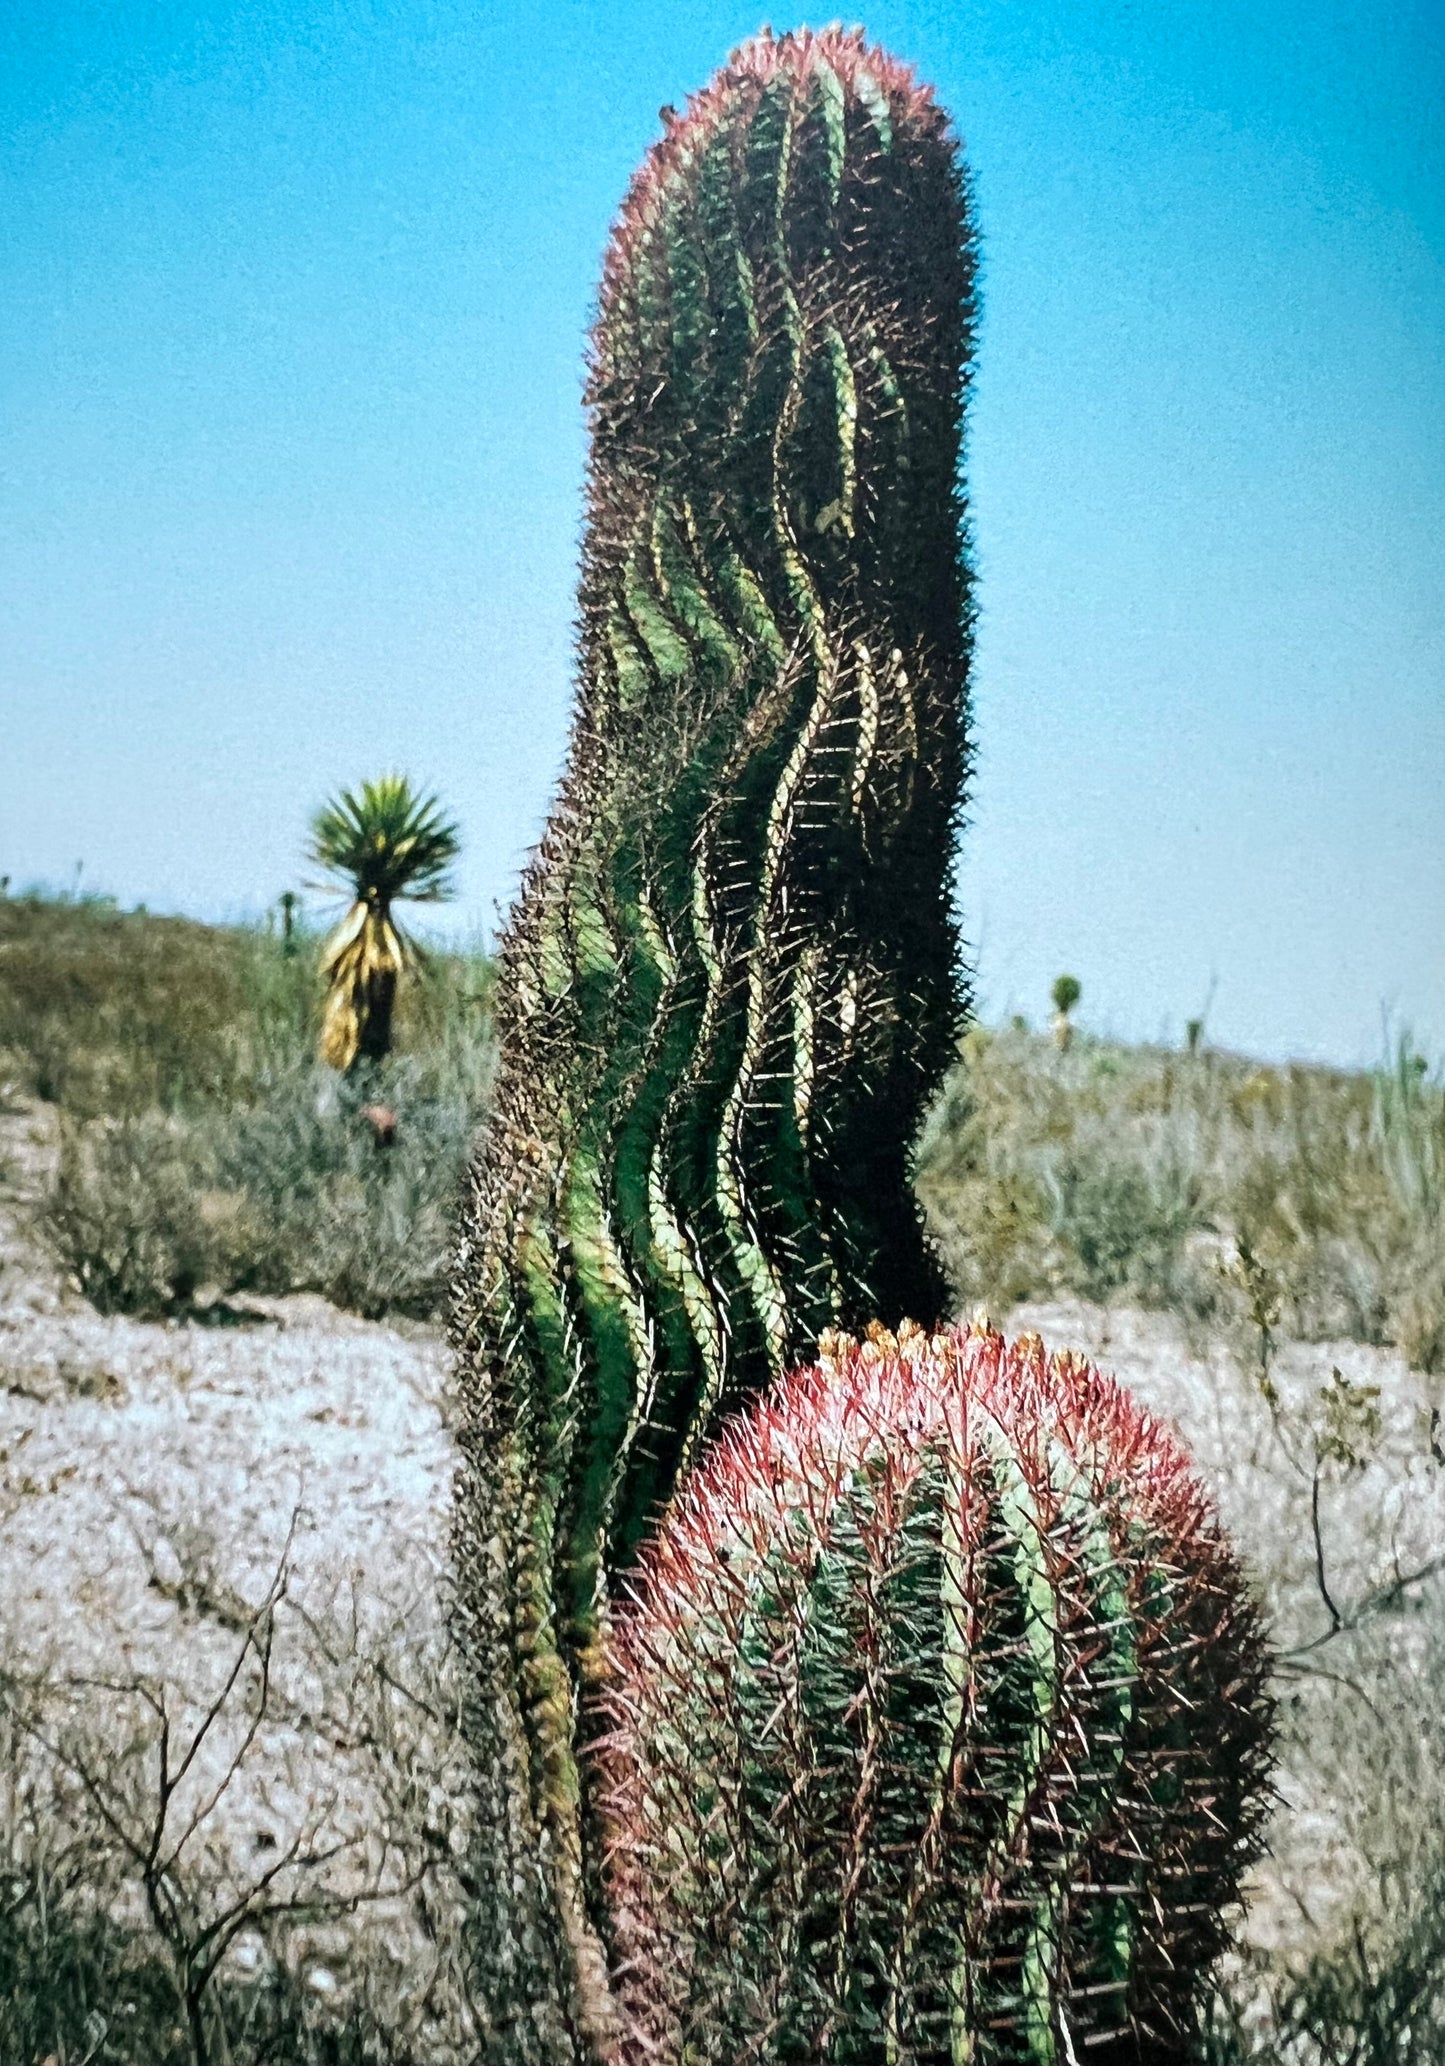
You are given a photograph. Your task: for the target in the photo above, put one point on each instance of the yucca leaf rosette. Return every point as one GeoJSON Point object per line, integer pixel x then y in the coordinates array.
{"type": "Point", "coordinates": [385, 844]}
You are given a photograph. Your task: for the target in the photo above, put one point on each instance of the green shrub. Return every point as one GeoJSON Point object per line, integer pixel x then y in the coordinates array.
{"type": "Point", "coordinates": [122, 1217]}
{"type": "Point", "coordinates": [79, 1986]}
{"type": "Point", "coordinates": [73, 1985]}
{"type": "Point", "coordinates": [1125, 1222]}
{"type": "Point", "coordinates": [1139, 1173]}
{"type": "Point", "coordinates": [324, 1208]}
{"type": "Point", "coordinates": [1366, 2009]}
{"type": "Point", "coordinates": [1365, 2003]}
{"type": "Point", "coordinates": [1408, 1116]}
{"type": "Point", "coordinates": [290, 1193]}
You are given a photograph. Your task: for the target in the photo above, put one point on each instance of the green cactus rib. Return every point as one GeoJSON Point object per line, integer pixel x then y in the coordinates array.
{"type": "Point", "coordinates": [897, 1774]}
{"type": "Point", "coordinates": [731, 983]}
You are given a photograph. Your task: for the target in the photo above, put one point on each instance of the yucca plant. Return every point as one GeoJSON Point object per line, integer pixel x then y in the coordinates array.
{"type": "Point", "coordinates": [1066, 993]}
{"type": "Point", "coordinates": [387, 845]}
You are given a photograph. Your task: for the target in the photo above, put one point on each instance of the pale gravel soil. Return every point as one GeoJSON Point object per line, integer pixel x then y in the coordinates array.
{"type": "Point", "coordinates": [152, 1477]}
{"type": "Point", "coordinates": [154, 1481]}
{"type": "Point", "coordinates": [128, 1449]}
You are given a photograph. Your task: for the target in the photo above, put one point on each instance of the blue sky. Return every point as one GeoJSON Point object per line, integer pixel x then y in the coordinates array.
{"type": "Point", "coordinates": [292, 308]}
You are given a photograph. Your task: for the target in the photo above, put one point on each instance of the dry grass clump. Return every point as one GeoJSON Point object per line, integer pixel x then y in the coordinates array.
{"type": "Point", "coordinates": [1308, 1201]}
{"type": "Point", "coordinates": [203, 1152]}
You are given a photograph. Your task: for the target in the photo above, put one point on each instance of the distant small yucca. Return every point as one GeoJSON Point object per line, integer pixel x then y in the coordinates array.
{"type": "Point", "coordinates": [938, 1724]}
{"type": "Point", "coordinates": [387, 844]}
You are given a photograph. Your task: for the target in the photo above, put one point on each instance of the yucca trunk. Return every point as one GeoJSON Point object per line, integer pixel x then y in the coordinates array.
{"type": "Point", "coordinates": [732, 982]}
{"type": "Point", "coordinates": [361, 964]}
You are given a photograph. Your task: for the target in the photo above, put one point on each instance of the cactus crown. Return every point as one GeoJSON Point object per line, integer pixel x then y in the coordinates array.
{"type": "Point", "coordinates": [938, 1720]}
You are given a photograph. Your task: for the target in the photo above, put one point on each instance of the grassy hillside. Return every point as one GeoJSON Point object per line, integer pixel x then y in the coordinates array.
{"type": "Point", "coordinates": [203, 1151]}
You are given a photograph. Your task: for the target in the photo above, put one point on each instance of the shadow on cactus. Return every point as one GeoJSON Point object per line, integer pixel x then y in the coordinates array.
{"type": "Point", "coordinates": [938, 1726]}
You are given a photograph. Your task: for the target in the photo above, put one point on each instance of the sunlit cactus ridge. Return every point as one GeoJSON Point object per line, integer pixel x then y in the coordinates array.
{"type": "Point", "coordinates": [938, 1724]}
{"type": "Point", "coordinates": [732, 983]}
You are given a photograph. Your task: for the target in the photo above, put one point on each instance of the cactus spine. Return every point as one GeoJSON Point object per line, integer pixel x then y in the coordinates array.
{"type": "Point", "coordinates": [732, 982]}
{"type": "Point", "coordinates": [939, 1725]}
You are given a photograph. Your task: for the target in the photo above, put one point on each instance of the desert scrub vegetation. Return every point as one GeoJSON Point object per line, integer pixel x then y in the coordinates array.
{"type": "Point", "coordinates": [201, 1151]}
{"type": "Point", "coordinates": [1276, 1200]}
{"type": "Point", "coordinates": [1348, 1481]}
{"type": "Point", "coordinates": [251, 1860]}
{"type": "Point", "coordinates": [1375, 1994]}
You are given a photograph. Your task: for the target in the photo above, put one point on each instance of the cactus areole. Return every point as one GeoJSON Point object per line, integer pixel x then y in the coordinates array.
{"type": "Point", "coordinates": [939, 1725]}
{"type": "Point", "coordinates": [731, 983]}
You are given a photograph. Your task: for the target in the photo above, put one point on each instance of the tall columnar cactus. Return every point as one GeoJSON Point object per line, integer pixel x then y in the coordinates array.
{"type": "Point", "coordinates": [939, 1725]}
{"type": "Point", "coordinates": [732, 982]}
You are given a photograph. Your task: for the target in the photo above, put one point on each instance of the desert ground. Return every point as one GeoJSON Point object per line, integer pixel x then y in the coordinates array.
{"type": "Point", "coordinates": [175, 1494]}
{"type": "Point", "coordinates": [234, 1797]}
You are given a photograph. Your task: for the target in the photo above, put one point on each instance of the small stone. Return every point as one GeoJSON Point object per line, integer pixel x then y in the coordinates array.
{"type": "Point", "coordinates": [166, 1565]}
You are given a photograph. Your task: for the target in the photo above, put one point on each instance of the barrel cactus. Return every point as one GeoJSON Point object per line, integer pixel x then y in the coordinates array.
{"type": "Point", "coordinates": [938, 1725]}
{"type": "Point", "coordinates": [732, 982]}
